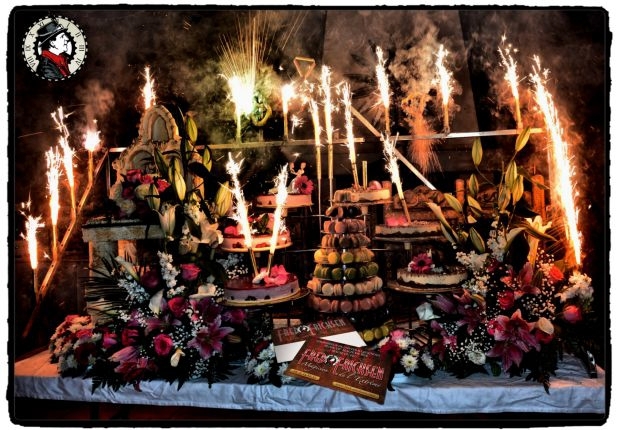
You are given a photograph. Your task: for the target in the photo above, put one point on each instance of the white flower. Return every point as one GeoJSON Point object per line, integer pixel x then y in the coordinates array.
{"type": "Point", "coordinates": [428, 360]}
{"type": "Point", "coordinates": [476, 357]}
{"type": "Point", "coordinates": [167, 220]}
{"type": "Point", "coordinates": [250, 365]}
{"type": "Point", "coordinates": [261, 370]}
{"type": "Point", "coordinates": [425, 311]}
{"type": "Point", "coordinates": [176, 357]}
{"type": "Point", "coordinates": [155, 302]}
{"type": "Point", "coordinates": [267, 353]}
{"type": "Point", "coordinates": [285, 378]}
{"type": "Point", "coordinates": [409, 362]}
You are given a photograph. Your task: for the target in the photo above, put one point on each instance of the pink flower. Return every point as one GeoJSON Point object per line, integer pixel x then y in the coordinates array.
{"type": "Point", "coordinates": [133, 175]}
{"type": "Point", "coordinates": [150, 279]}
{"type": "Point", "coordinates": [189, 271]}
{"type": "Point", "coordinates": [146, 179]}
{"type": "Point", "coordinates": [128, 192]}
{"type": "Point", "coordinates": [514, 338]}
{"type": "Point", "coordinates": [506, 299]}
{"type": "Point", "coordinates": [208, 340]}
{"type": "Point", "coordinates": [109, 340]}
{"type": "Point", "coordinates": [126, 354]}
{"type": "Point", "coordinates": [177, 306]}
{"type": "Point", "coordinates": [128, 336]}
{"type": "Point", "coordinates": [421, 263]}
{"type": "Point", "coordinates": [163, 344]}
{"type": "Point", "coordinates": [543, 337]}
{"type": "Point", "coordinates": [234, 316]}
{"type": "Point", "coordinates": [572, 313]}
{"type": "Point", "coordinates": [231, 231]}
{"type": "Point", "coordinates": [304, 185]}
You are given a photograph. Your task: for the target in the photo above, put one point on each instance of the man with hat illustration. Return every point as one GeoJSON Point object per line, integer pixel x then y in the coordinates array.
{"type": "Point", "coordinates": [55, 46]}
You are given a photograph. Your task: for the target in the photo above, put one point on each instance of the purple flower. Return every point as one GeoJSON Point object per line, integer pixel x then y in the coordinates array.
{"type": "Point", "coordinates": [514, 337]}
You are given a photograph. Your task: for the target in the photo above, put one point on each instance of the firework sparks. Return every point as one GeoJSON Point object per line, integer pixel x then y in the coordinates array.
{"type": "Point", "coordinates": [511, 77]}
{"type": "Point", "coordinates": [53, 177]}
{"type": "Point", "coordinates": [444, 79]}
{"type": "Point", "coordinates": [67, 153]}
{"type": "Point", "coordinates": [278, 221]}
{"type": "Point", "coordinates": [346, 100]}
{"type": "Point", "coordinates": [32, 225]}
{"type": "Point", "coordinates": [314, 111]}
{"type": "Point", "coordinates": [240, 210]}
{"type": "Point", "coordinates": [327, 106]}
{"type": "Point", "coordinates": [148, 90]}
{"type": "Point", "coordinates": [389, 152]}
{"type": "Point", "coordinates": [560, 169]}
{"type": "Point", "coordinates": [384, 87]}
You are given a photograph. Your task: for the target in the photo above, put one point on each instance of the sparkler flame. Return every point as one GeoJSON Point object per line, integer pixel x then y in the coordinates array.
{"type": "Point", "coordinates": [148, 91]}
{"type": "Point", "coordinates": [91, 140]}
{"type": "Point", "coordinates": [53, 177]}
{"type": "Point", "coordinates": [32, 225]}
{"type": "Point", "coordinates": [281, 195]}
{"type": "Point", "coordinates": [560, 169]}
{"type": "Point", "coordinates": [346, 99]}
{"type": "Point", "coordinates": [445, 84]}
{"type": "Point", "coordinates": [327, 106]}
{"type": "Point", "coordinates": [511, 77]}
{"type": "Point", "coordinates": [384, 87]}
{"type": "Point", "coordinates": [389, 152]}
{"type": "Point", "coordinates": [67, 152]}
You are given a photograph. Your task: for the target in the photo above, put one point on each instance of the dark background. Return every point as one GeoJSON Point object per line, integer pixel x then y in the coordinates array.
{"type": "Point", "coordinates": [183, 47]}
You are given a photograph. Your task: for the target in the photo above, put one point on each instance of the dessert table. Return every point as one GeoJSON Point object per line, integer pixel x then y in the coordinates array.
{"type": "Point", "coordinates": [571, 392]}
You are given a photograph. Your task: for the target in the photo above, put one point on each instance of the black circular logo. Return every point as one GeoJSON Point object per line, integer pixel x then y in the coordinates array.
{"type": "Point", "coordinates": [54, 48]}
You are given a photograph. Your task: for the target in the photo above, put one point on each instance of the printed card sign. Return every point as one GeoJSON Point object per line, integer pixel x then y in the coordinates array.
{"type": "Point", "coordinates": [288, 340]}
{"type": "Point", "coordinates": [350, 369]}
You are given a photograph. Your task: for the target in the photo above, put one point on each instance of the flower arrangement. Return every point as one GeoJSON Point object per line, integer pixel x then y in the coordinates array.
{"type": "Point", "coordinates": [520, 308]}
{"type": "Point", "coordinates": [171, 326]}
{"type": "Point", "coordinates": [410, 355]}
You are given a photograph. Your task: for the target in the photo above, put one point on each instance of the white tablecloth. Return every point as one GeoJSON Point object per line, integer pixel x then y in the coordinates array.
{"type": "Point", "coordinates": [571, 391]}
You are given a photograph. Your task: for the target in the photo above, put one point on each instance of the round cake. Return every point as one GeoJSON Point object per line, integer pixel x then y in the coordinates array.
{"type": "Point", "coordinates": [397, 226]}
{"type": "Point", "coordinates": [422, 274]}
{"type": "Point", "coordinates": [374, 192]}
{"type": "Point", "coordinates": [279, 284]}
{"type": "Point", "coordinates": [262, 228]}
{"type": "Point", "coordinates": [292, 200]}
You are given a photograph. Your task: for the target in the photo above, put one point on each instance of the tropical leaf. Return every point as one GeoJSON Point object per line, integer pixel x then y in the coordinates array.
{"type": "Point", "coordinates": [207, 159]}
{"type": "Point", "coordinates": [511, 174]}
{"type": "Point", "coordinates": [522, 139]}
{"type": "Point", "coordinates": [192, 129]}
{"type": "Point", "coordinates": [477, 240]}
{"type": "Point", "coordinates": [453, 202]}
{"type": "Point", "coordinates": [517, 189]}
{"type": "Point", "coordinates": [472, 185]}
{"type": "Point", "coordinates": [161, 164]}
{"type": "Point", "coordinates": [476, 151]}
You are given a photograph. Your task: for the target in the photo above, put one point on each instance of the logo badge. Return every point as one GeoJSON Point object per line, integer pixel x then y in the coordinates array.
{"type": "Point", "coordinates": [54, 48]}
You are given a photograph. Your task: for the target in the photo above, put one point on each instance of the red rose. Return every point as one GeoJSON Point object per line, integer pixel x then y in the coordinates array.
{"type": "Point", "coordinates": [150, 279]}
{"type": "Point", "coordinates": [177, 306]}
{"type": "Point", "coordinates": [146, 179]}
{"type": "Point", "coordinates": [163, 344]}
{"type": "Point", "coordinates": [572, 313]}
{"type": "Point", "coordinates": [506, 299]}
{"type": "Point", "coordinates": [133, 175]}
{"type": "Point", "coordinates": [555, 274]}
{"type": "Point", "coordinates": [128, 192]}
{"type": "Point", "coordinates": [189, 271]}
{"type": "Point", "coordinates": [543, 337]}
{"type": "Point", "coordinates": [235, 316]}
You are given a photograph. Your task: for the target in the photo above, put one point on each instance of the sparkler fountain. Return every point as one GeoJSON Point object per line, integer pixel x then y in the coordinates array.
{"type": "Point", "coordinates": [512, 78]}
{"type": "Point", "coordinates": [67, 154]}
{"type": "Point", "coordinates": [384, 87]}
{"type": "Point", "coordinates": [444, 79]}
{"type": "Point", "coordinates": [327, 106]}
{"type": "Point", "coordinates": [53, 175]}
{"type": "Point", "coordinates": [389, 152]}
{"type": "Point", "coordinates": [278, 222]}
{"type": "Point", "coordinates": [346, 99]}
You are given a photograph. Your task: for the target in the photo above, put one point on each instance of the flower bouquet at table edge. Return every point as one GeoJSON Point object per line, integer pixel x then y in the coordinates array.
{"type": "Point", "coordinates": [162, 318]}
{"type": "Point", "coordinates": [520, 308]}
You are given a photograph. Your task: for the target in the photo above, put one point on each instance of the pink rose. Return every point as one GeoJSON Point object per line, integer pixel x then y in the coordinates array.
{"type": "Point", "coordinates": [506, 299]}
{"type": "Point", "coordinates": [163, 344]}
{"type": "Point", "coordinates": [150, 279]}
{"type": "Point", "coordinates": [189, 271]}
{"type": "Point", "coordinates": [133, 175]}
{"type": "Point", "coordinates": [555, 274]}
{"type": "Point", "coordinates": [572, 313]}
{"type": "Point", "coordinates": [231, 230]}
{"type": "Point", "coordinates": [177, 306]}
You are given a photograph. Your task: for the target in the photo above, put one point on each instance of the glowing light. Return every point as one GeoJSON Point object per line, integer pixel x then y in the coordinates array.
{"type": "Point", "coordinates": [278, 221]}
{"type": "Point", "coordinates": [511, 77]}
{"type": "Point", "coordinates": [53, 177]}
{"type": "Point", "coordinates": [148, 90]}
{"type": "Point", "coordinates": [389, 152]}
{"type": "Point", "coordinates": [296, 122]}
{"type": "Point", "coordinates": [346, 99]}
{"type": "Point", "coordinates": [560, 168]}
{"type": "Point", "coordinates": [444, 79]}
{"type": "Point", "coordinates": [314, 111]}
{"type": "Point", "coordinates": [327, 106]}
{"type": "Point", "coordinates": [384, 87]}
{"type": "Point", "coordinates": [91, 143]}
{"type": "Point", "coordinates": [240, 210]}
{"type": "Point", "coordinates": [32, 225]}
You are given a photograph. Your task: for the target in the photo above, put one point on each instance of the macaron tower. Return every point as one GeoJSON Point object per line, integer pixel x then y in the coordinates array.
{"type": "Point", "coordinates": [345, 279]}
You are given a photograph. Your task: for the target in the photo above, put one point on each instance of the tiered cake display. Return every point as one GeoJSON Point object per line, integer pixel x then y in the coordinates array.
{"type": "Point", "coordinates": [345, 277]}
